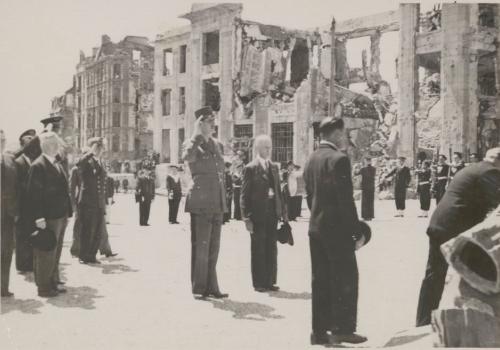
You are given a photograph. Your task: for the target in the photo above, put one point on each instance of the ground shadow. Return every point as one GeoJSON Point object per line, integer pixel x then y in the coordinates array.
{"type": "Point", "coordinates": [404, 340]}
{"type": "Point", "coordinates": [26, 306]}
{"type": "Point", "coordinates": [76, 297]}
{"type": "Point", "coordinates": [109, 269]}
{"type": "Point", "coordinates": [290, 295]}
{"type": "Point", "coordinates": [246, 310]}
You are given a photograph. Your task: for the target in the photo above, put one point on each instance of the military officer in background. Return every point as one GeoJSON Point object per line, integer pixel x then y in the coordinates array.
{"type": "Point", "coordinates": [24, 250]}
{"type": "Point", "coordinates": [457, 165]}
{"type": "Point", "coordinates": [206, 202]}
{"type": "Point", "coordinates": [144, 195]}
{"type": "Point", "coordinates": [402, 178]}
{"type": "Point", "coordinates": [424, 188]}
{"type": "Point", "coordinates": [91, 200]}
{"type": "Point", "coordinates": [367, 189]}
{"type": "Point", "coordinates": [441, 178]}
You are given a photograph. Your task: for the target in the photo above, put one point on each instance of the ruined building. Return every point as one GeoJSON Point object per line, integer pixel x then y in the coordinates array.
{"type": "Point", "coordinates": [114, 98]}
{"type": "Point", "coordinates": [268, 79]}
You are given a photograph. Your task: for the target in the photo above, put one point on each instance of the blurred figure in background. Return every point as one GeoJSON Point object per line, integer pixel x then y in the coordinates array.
{"type": "Point", "coordinates": [144, 195]}
{"type": "Point", "coordinates": [424, 187]}
{"type": "Point", "coordinates": [174, 191]}
{"type": "Point", "coordinates": [229, 192]}
{"type": "Point", "coordinates": [367, 189]}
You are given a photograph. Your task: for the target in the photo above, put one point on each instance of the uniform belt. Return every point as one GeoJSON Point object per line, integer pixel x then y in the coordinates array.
{"type": "Point", "coordinates": [423, 183]}
{"type": "Point", "coordinates": [443, 178]}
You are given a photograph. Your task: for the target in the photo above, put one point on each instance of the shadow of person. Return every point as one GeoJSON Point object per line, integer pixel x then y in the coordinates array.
{"type": "Point", "coordinates": [290, 295]}
{"type": "Point", "coordinates": [109, 269]}
{"type": "Point", "coordinates": [76, 297]}
{"type": "Point", "coordinates": [404, 340]}
{"type": "Point", "coordinates": [246, 310]}
{"type": "Point", "coordinates": [26, 306]}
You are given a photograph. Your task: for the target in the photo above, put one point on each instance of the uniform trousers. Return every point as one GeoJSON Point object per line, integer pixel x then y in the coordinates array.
{"type": "Point", "coordinates": [104, 246]}
{"type": "Point", "coordinates": [236, 199]}
{"type": "Point", "coordinates": [334, 287]}
{"type": "Point", "coordinates": [424, 192]}
{"type": "Point", "coordinates": [24, 250]}
{"type": "Point", "coordinates": [432, 284]}
{"type": "Point", "coordinates": [144, 209]}
{"type": "Point", "coordinates": [92, 219]}
{"type": "Point", "coordinates": [400, 198]}
{"type": "Point", "coordinates": [46, 264]}
{"type": "Point", "coordinates": [205, 245]}
{"type": "Point", "coordinates": [173, 209]}
{"type": "Point", "coordinates": [367, 203]}
{"type": "Point", "coordinates": [440, 190]}
{"type": "Point", "coordinates": [7, 249]}
{"type": "Point", "coordinates": [264, 251]}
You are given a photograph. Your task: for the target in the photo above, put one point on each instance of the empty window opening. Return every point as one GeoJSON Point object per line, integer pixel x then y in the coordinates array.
{"type": "Point", "coordinates": [211, 48]}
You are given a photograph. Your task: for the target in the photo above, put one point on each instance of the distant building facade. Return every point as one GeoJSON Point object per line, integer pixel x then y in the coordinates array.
{"type": "Point", "coordinates": [114, 98]}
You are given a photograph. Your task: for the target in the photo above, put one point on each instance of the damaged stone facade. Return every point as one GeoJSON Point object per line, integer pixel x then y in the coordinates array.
{"type": "Point", "coordinates": [266, 79]}
{"type": "Point", "coordinates": [114, 98]}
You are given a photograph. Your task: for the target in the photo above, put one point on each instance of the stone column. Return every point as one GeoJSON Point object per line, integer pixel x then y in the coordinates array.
{"type": "Point", "coordinates": [459, 79]}
{"type": "Point", "coordinates": [226, 81]}
{"type": "Point", "coordinates": [408, 80]}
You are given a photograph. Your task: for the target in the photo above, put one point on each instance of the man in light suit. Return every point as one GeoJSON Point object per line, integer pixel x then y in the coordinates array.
{"type": "Point", "coordinates": [262, 205]}
{"type": "Point", "coordinates": [49, 207]}
{"type": "Point", "coordinates": [334, 235]}
{"type": "Point", "coordinates": [206, 201]}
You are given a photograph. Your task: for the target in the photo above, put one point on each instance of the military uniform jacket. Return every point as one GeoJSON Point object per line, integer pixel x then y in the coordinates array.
{"type": "Point", "coordinates": [329, 189]}
{"type": "Point", "coordinates": [23, 167]}
{"type": "Point", "coordinates": [441, 176]}
{"type": "Point", "coordinates": [10, 203]}
{"type": "Point", "coordinates": [92, 192]}
{"type": "Point", "coordinates": [174, 187]}
{"type": "Point", "coordinates": [402, 177]}
{"type": "Point", "coordinates": [145, 189]}
{"type": "Point", "coordinates": [208, 191]}
{"type": "Point", "coordinates": [367, 177]}
{"type": "Point", "coordinates": [424, 179]}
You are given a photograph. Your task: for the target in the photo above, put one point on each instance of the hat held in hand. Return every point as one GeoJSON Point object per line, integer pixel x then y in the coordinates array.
{"type": "Point", "coordinates": [43, 239]}
{"type": "Point", "coordinates": [285, 234]}
{"type": "Point", "coordinates": [364, 231]}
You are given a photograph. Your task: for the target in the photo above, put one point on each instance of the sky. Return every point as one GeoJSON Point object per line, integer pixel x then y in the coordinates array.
{"type": "Point", "coordinates": [41, 40]}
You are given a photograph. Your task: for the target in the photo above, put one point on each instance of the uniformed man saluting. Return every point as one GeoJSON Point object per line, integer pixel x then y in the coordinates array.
{"type": "Point", "coordinates": [206, 201]}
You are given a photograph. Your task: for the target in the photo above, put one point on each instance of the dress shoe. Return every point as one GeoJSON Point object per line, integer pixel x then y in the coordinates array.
{"type": "Point", "coordinates": [111, 255]}
{"type": "Point", "coordinates": [219, 295]}
{"type": "Point", "coordinates": [260, 289]}
{"type": "Point", "coordinates": [48, 294]}
{"type": "Point", "coordinates": [175, 222]}
{"type": "Point", "coordinates": [274, 288]}
{"type": "Point", "coordinates": [61, 290]}
{"type": "Point", "coordinates": [319, 339]}
{"type": "Point", "coordinates": [61, 282]}
{"type": "Point", "coordinates": [352, 338]}
{"type": "Point", "coordinates": [7, 294]}
{"type": "Point", "coordinates": [95, 261]}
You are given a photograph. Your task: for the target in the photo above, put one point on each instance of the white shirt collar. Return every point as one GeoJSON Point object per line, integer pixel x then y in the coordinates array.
{"type": "Point", "coordinates": [27, 159]}
{"type": "Point", "coordinates": [325, 142]}
{"type": "Point", "coordinates": [263, 162]}
{"type": "Point", "coordinates": [51, 159]}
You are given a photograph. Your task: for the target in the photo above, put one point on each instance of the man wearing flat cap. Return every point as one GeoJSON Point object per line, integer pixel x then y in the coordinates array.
{"type": "Point", "coordinates": [334, 235]}
{"type": "Point", "coordinates": [24, 251]}
{"type": "Point", "coordinates": [206, 201]}
{"type": "Point", "coordinates": [91, 200]}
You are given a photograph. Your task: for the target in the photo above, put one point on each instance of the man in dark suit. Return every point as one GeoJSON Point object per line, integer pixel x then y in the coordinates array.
{"type": "Point", "coordinates": [91, 200]}
{"type": "Point", "coordinates": [473, 193]}
{"type": "Point", "coordinates": [174, 190]}
{"type": "Point", "coordinates": [24, 251]}
{"type": "Point", "coordinates": [262, 205]}
{"type": "Point", "coordinates": [206, 201]}
{"type": "Point", "coordinates": [144, 194]}
{"type": "Point", "coordinates": [440, 178]}
{"type": "Point", "coordinates": [402, 178]}
{"type": "Point", "coordinates": [236, 177]}
{"type": "Point", "coordinates": [333, 227]}
{"type": "Point", "coordinates": [367, 189]}
{"type": "Point", "coordinates": [49, 207]}
{"type": "Point", "coordinates": [10, 213]}
{"type": "Point", "coordinates": [74, 189]}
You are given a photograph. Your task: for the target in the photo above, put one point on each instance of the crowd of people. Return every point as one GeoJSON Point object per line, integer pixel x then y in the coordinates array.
{"type": "Point", "coordinates": [39, 194]}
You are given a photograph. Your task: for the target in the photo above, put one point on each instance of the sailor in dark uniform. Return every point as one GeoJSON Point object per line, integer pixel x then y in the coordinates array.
{"type": "Point", "coordinates": [424, 188]}
{"type": "Point", "coordinates": [367, 189]}
{"type": "Point", "coordinates": [457, 165]}
{"type": "Point", "coordinates": [441, 178]}
{"type": "Point", "coordinates": [402, 179]}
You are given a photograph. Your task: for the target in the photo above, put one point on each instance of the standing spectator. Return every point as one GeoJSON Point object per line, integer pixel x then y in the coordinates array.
{"type": "Point", "coordinates": [91, 201]}
{"type": "Point", "coordinates": [144, 195]}
{"type": "Point", "coordinates": [229, 192]}
{"type": "Point", "coordinates": [31, 151]}
{"type": "Point", "coordinates": [110, 193]}
{"type": "Point", "coordinates": [10, 213]}
{"type": "Point", "coordinates": [473, 158]}
{"type": "Point", "coordinates": [333, 224]}
{"type": "Point", "coordinates": [74, 191]}
{"type": "Point", "coordinates": [262, 206]}
{"type": "Point", "coordinates": [473, 193]}
{"type": "Point", "coordinates": [367, 189]}
{"type": "Point", "coordinates": [117, 186]}
{"type": "Point", "coordinates": [206, 201]}
{"type": "Point", "coordinates": [295, 200]}
{"type": "Point", "coordinates": [402, 178]}
{"type": "Point", "coordinates": [237, 175]}
{"type": "Point", "coordinates": [125, 185]}
{"type": "Point", "coordinates": [441, 178]}
{"type": "Point", "coordinates": [456, 165]}
{"type": "Point", "coordinates": [174, 190]}
{"type": "Point", "coordinates": [49, 208]}
{"type": "Point", "coordinates": [424, 187]}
